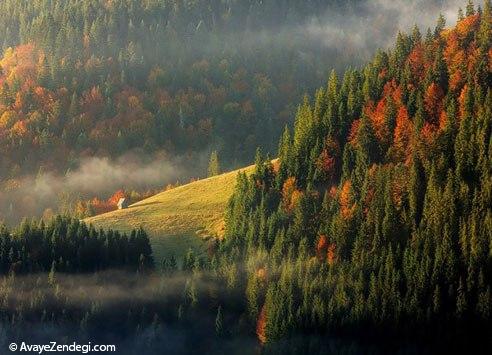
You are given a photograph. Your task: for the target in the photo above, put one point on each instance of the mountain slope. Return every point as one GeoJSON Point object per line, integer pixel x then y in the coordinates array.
{"type": "Point", "coordinates": [178, 219]}
{"type": "Point", "coordinates": [378, 215]}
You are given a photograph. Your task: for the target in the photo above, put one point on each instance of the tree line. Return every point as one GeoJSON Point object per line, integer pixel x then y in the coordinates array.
{"type": "Point", "coordinates": [370, 232]}
{"type": "Point", "coordinates": [376, 219]}
{"type": "Point", "coordinates": [68, 245]}
{"type": "Point", "coordinates": [102, 78]}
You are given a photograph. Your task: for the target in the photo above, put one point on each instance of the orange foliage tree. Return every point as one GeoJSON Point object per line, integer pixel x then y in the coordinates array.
{"type": "Point", "coordinates": [261, 325]}
{"type": "Point", "coordinates": [417, 63]}
{"type": "Point", "coordinates": [402, 135]}
{"type": "Point", "coordinates": [347, 206]}
{"type": "Point", "coordinates": [331, 253]}
{"type": "Point", "coordinates": [433, 101]}
{"type": "Point", "coordinates": [113, 200]}
{"type": "Point", "coordinates": [322, 246]}
{"type": "Point", "coordinates": [290, 194]}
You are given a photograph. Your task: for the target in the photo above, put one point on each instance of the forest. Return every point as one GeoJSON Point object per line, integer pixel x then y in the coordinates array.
{"type": "Point", "coordinates": [377, 217]}
{"type": "Point", "coordinates": [68, 245]}
{"type": "Point", "coordinates": [168, 80]}
{"type": "Point", "coordinates": [83, 78]}
{"type": "Point", "coordinates": [367, 230]}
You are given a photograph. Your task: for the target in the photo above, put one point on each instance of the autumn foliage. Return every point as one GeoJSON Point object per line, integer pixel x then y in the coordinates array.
{"type": "Point", "coordinates": [326, 250]}
{"type": "Point", "coordinates": [433, 101]}
{"type": "Point", "coordinates": [290, 194]}
{"type": "Point", "coordinates": [261, 325]}
{"type": "Point", "coordinates": [347, 206]}
{"type": "Point", "coordinates": [322, 246]}
{"type": "Point", "coordinates": [399, 239]}
{"type": "Point", "coordinates": [403, 135]}
{"type": "Point", "coordinates": [331, 253]}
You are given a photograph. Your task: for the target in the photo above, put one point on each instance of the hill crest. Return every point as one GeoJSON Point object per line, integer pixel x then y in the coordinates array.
{"type": "Point", "coordinates": [178, 219]}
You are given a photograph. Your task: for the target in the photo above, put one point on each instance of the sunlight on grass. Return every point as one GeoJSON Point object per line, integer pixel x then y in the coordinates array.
{"type": "Point", "coordinates": [178, 219]}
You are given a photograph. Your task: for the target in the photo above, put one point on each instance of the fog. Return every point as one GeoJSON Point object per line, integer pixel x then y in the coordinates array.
{"type": "Point", "coordinates": [123, 308]}
{"type": "Point", "coordinates": [375, 24]}
{"type": "Point", "coordinates": [96, 177]}
{"type": "Point", "coordinates": [148, 313]}
{"type": "Point", "coordinates": [359, 30]}
{"type": "Point", "coordinates": [334, 39]}
{"type": "Point", "coordinates": [108, 287]}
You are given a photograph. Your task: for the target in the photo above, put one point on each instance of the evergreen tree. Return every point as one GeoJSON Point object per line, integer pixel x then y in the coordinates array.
{"type": "Point", "coordinates": [219, 322]}
{"type": "Point", "coordinates": [213, 164]}
{"type": "Point", "coordinates": [470, 8]}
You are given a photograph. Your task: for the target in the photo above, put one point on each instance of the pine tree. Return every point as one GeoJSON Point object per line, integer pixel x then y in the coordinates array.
{"type": "Point", "coordinates": [52, 274]}
{"type": "Point", "coordinates": [441, 24]}
{"type": "Point", "coordinates": [461, 301]}
{"type": "Point", "coordinates": [367, 143]}
{"type": "Point", "coordinates": [213, 164]}
{"type": "Point", "coordinates": [461, 15]}
{"type": "Point", "coordinates": [219, 321]}
{"type": "Point", "coordinates": [189, 260]}
{"type": "Point", "coordinates": [470, 8]}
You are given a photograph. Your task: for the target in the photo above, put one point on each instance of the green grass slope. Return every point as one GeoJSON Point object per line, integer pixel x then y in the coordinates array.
{"type": "Point", "coordinates": [178, 219]}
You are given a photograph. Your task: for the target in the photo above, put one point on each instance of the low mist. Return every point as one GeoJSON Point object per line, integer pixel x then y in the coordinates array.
{"type": "Point", "coordinates": [375, 24]}
{"type": "Point", "coordinates": [95, 177]}
{"type": "Point", "coordinates": [139, 313]}
{"type": "Point", "coordinates": [334, 39]}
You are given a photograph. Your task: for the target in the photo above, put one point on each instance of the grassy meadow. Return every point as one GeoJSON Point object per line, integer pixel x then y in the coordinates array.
{"type": "Point", "coordinates": [178, 219]}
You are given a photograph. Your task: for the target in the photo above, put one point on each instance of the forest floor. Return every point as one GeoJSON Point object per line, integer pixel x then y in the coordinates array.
{"type": "Point", "coordinates": [178, 219]}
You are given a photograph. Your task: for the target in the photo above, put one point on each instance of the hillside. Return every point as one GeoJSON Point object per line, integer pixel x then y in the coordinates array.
{"type": "Point", "coordinates": [371, 233]}
{"type": "Point", "coordinates": [378, 216]}
{"type": "Point", "coordinates": [135, 75]}
{"type": "Point", "coordinates": [176, 217]}
{"type": "Point", "coordinates": [150, 78]}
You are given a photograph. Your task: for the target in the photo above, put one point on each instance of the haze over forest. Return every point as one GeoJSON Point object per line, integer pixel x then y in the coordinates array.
{"type": "Point", "coordinates": [364, 225]}
{"type": "Point", "coordinates": [85, 87]}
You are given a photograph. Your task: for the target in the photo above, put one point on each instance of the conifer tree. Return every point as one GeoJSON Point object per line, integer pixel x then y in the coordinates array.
{"type": "Point", "coordinates": [219, 321]}
{"type": "Point", "coordinates": [470, 8]}
{"type": "Point", "coordinates": [213, 164]}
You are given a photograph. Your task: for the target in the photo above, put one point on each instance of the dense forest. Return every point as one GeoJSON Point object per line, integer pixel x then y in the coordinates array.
{"type": "Point", "coordinates": [177, 78]}
{"type": "Point", "coordinates": [371, 232]}
{"type": "Point", "coordinates": [377, 217]}
{"type": "Point", "coordinates": [100, 78]}
{"type": "Point", "coordinates": [68, 245]}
